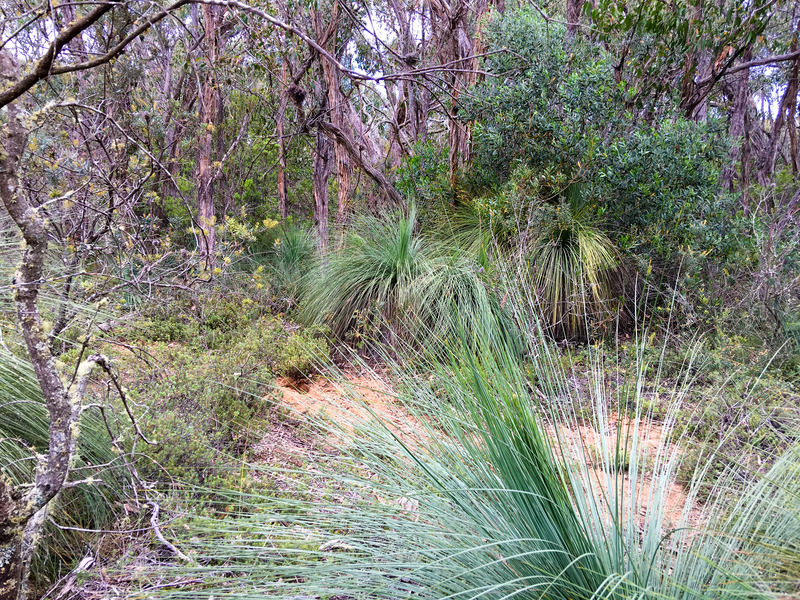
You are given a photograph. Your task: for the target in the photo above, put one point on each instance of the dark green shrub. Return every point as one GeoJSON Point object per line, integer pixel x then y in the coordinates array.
{"type": "Point", "coordinates": [423, 177]}
{"type": "Point", "coordinates": [554, 107]}
{"type": "Point", "coordinates": [170, 330]}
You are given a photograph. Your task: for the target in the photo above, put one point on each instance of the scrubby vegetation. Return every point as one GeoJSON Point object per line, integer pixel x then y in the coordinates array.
{"type": "Point", "coordinates": [547, 347]}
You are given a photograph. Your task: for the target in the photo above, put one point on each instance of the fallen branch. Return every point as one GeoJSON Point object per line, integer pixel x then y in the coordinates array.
{"type": "Point", "coordinates": [160, 536]}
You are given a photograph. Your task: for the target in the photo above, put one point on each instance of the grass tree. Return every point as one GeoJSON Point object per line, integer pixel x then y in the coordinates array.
{"type": "Point", "coordinates": [574, 264]}
{"type": "Point", "coordinates": [393, 281]}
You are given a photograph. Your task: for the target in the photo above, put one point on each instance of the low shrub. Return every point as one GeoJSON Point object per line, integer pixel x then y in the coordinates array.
{"type": "Point", "coordinates": [212, 404]}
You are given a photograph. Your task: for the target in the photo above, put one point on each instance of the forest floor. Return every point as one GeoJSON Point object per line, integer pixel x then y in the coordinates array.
{"type": "Point", "coordinates": [308, 426]}
{"type": "Point", "coordinates": [358, 398]}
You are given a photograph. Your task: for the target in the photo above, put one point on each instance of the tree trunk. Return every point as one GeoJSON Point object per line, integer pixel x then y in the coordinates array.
{"type": "Point", "coordinates": [283, 199]}
{"type": "Point", "coordinates": [453, 35]}
{"type": "Point", "coordinates": [336, 112]}
{"type": "Point", "coordinates": [343, 184]}
{"type": "Point", "coordinates": [785, 113]}
{"type": "Point", "coordinates": [208, 115]}
{"type": "Point", "coordinates": [794, 158]}
{"type": "Point", "coordinates": [17, 510]}
{"type": "Point", "coordinates": [403, 94]}
{"type": "Point", "coordinates": [323, 165]}
{"type": "Point", "coordinates": [327, 37]}
{"type": "Point", "coordinates": [736, 132]}
{"type": "Point", "coordinates": [10, 541]}
{"type": "Point", "coordinates": [574, 8]}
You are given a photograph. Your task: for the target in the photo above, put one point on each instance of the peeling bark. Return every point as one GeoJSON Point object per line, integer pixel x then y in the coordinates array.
{"type": "Point", "coordinates": [574, 8]}
{"type": "Point", "coordinates": [283, 197]}
{"type": "Point", "coordinates": [209, 98]}
{"type": "Point", "coordinates": [453, 35]}
{"type": "Point", "coordinates": [323, 166]}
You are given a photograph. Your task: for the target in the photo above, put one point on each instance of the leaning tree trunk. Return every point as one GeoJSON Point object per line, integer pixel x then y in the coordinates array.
{"type": "Point", "coordinates": [22, 511]}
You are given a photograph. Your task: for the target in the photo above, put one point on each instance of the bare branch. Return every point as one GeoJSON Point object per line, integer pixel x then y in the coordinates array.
{"type": "Point", "coordinates": [341, 137]}
{"type": "Point", "coordinates": [44, 66]}
{"type": "Point", "coordinates": [160, 536]}
{"type": "Point", "coordinates": [103, 363]}
{"type": "Point", "coordinates": [761, 62]}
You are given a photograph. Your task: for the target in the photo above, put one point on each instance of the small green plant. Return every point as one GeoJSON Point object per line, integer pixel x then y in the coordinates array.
{"type": "Point", "coordinates": [169, 330]}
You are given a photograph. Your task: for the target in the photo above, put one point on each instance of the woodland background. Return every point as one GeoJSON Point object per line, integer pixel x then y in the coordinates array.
{"type": "Point", "coordinates": [206, 200]}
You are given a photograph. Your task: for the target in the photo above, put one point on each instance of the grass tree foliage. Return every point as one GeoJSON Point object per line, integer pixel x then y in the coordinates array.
{"type": "Point", "coordinates": [370, 277]}
{"type": "Point", "coordinates": [574, 266]}
{"type": "Point", "coordinates": [547, 219]}
{"type": "Point", "coordinates": [289, 260]}
{"type": "Point", "coordinates": [490, 497]}
{"type": "Point", "coordinates": [390, 279]}
{"type": "Point", "coordinates": [99, 479]}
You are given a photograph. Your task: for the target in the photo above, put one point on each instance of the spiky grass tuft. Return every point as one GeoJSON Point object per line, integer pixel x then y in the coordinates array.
{"type": "Point", "coordinates": [24, 432]}
{"type": "Point", "coordinates": [290, 259]}
{"type": "Point", "coordinates": [573, 266]}
{"type": "Point", "coordinates": [400, 286]}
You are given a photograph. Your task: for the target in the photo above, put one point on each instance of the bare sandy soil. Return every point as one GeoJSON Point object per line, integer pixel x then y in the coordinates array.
{"type": "Point", "coordinates": [358, 400]}
{"type": "Point", "coordinates": [362, 398]}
